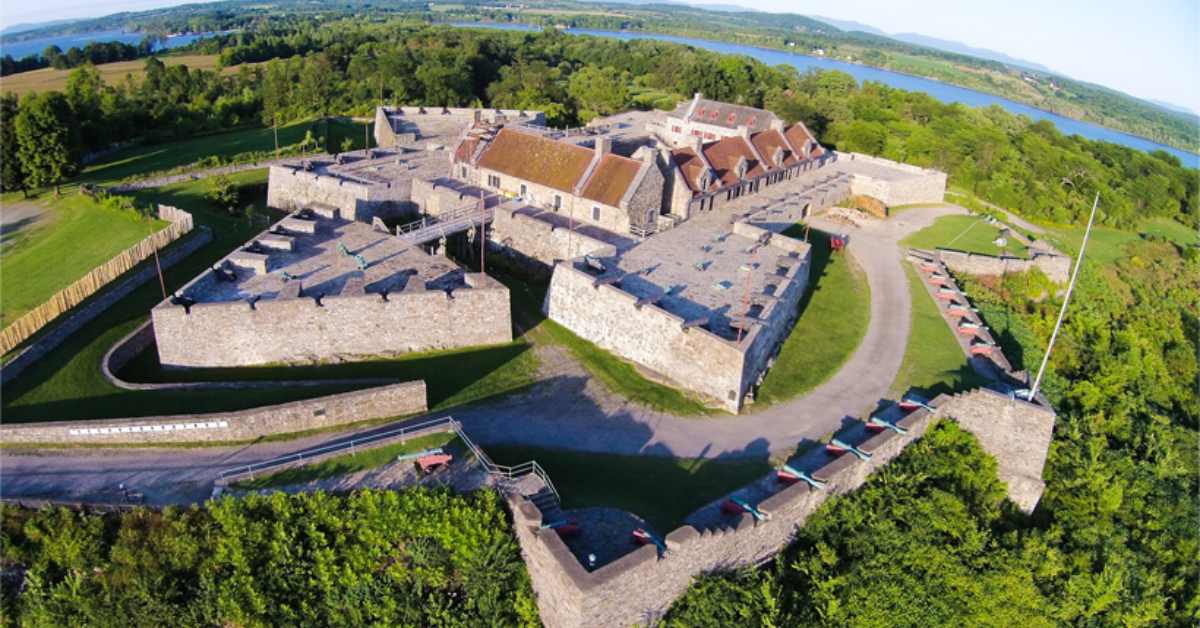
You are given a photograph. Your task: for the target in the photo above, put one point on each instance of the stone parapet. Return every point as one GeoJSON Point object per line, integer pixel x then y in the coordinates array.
{"type": "Point", "coordinates": [393, 400]}
{"type": "Point", "coordinates": [1056, 267]}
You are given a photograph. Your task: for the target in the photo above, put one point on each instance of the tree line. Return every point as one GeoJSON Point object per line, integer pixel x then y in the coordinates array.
{"type": "Point", "coordinates": [94, 53]}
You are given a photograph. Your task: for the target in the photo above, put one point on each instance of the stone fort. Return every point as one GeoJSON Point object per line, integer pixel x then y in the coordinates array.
{"type": "Point", "coordinates": [655, 229]}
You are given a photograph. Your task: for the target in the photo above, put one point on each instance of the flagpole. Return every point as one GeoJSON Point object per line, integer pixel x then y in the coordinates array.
{"type": "Point", "coordinates": [1062, 312]}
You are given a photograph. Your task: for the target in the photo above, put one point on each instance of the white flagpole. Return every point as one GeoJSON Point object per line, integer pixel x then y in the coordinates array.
{"type": "Point", "coordinates": [1062, 312]}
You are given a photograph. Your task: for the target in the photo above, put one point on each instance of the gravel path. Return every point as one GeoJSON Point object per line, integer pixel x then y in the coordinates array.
{"type": "Point", "coordinates": [567, 410]}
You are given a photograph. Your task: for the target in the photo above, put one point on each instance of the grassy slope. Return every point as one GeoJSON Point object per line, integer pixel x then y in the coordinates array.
{"type": "Point", "coordinates": [47, 79]}
{"type": "Point", "coordinates": [933, 361]}
{"type": "Point", "coordinates": [137, 160]}
{"type": "Point", "coordinates": [834, 316]}
{"type": "Point", "coordinates": [659, 489]}
{"type": "Point", "coordinates": [349, 463]}
{"type": "Point", "coordinates": [963, 233]}
{"type": "Point", "coordinates": [79, 235]}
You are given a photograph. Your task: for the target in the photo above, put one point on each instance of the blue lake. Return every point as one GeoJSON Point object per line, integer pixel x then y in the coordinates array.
{"type": "Point", "coordinates": [942, 91]}
{"type": "Point", "coordinates": [36, 46]}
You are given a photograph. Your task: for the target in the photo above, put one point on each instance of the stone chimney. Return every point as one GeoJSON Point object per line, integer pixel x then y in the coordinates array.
{"type": "Point", "coordinates": [603, 145]}
{"type": "Point", "coordinates": [695, 103]}
{"type": "Point", "coordinates": [645, 153]}
{"type": "Point", "coordinates": [777, 124]}
{"type": "Point", "coordinates": [744, 131]}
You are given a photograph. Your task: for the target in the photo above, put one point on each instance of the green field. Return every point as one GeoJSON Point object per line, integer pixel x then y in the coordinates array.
{"type": "Point", "coordinates": [74, 235]}
{"type": "Point", "coordinates": [142, 159]}
{"type": "Point", "coordinates": [661, 490]}
{"type": "Point", "coordinates": [348, 463]}
{"type": "Point", "coordinates": [834, 314]}
{"type": "Point", "coordinates": [1172, 230]}
{"type": "Point", "coordinates": [933, 360]}
{"type": "Point", "coordinates": [964, 233]}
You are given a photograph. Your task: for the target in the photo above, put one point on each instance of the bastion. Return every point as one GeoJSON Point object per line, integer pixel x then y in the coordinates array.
{"type": "Point", "coordinates": [317, 287]}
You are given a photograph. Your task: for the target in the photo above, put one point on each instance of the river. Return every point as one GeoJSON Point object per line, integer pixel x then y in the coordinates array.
{"type": "Point", "coordinates": [28, 47]}
{"type": "Point", "coordinates": [942, 91]}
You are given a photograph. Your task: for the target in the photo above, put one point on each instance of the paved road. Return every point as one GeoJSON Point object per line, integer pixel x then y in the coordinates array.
{"type": "Point", "coordinates": [567, 410]}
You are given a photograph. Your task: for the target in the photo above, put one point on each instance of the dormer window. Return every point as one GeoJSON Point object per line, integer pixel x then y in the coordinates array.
{"type": "Point", "coordinates": [701, 112]}
{"type": "Point", "coordinates": [752, 120]}
{"type": "Point", "coordinates": [713, 115]}
{"type": "Point", "coordinates": [732, 118]}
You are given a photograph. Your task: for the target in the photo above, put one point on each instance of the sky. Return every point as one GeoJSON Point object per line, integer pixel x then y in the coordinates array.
{"type": "Point", "coordinates": [1148, 48]}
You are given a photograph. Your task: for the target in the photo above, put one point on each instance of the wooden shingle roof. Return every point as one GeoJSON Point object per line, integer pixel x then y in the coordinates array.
{"type": "Point", "coordinates": [611, 179]}
{"type": "Point", "coordinates": [532, 157]}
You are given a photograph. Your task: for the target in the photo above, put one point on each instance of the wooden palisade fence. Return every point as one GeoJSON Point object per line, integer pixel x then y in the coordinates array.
{"type": "Point", "coordinates": [74, 294]}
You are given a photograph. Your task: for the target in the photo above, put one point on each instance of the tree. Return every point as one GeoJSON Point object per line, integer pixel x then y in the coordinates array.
{"type": "Point", "coordinates": [599, 91]}
{"type": "Point", "coordinates": [224, 192]}
{"type": "Point", "coordinates": [48, 140]}
{"type": "Point", "coordinates": [347, 145]}
{"type": "Point", "coordinates": [12, 176]}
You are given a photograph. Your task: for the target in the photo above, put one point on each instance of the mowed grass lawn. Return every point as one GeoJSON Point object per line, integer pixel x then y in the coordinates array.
{"type": "Point", "coordinates": [141, 159]}
{"type": "Point", "coordinates": [834, 314]}
{"type": "Point", "coordinates": [660, 489]}
{"type": "Point", "coordinates": [934, 362]}
{"type": "Point", "coordinates": [47, 79]}
{"type": "Point", "coordinates": [349, 463]}
{"type": "Point", "coordinates": [964, 233]}
{"type": "Point", "coordinates": [75, 235]}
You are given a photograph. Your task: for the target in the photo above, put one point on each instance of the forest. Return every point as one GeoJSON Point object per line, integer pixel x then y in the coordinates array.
{"type": "Point", "coordinates": [1113, 542]}
{"type": "Point", "coordinates": [305, 69]}
{"type": "Point", "coordinates": [415, 558]}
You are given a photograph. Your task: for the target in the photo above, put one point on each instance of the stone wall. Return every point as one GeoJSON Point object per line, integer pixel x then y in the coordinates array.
{"type": "Point", "coordinates": [291, 188]}
{"type": "Point", "coordinates": [693, 357]}
{"type": "Point", "coordinates": [541, 241]}
{"type": "Point", "coordinates": [434, 200]}
{"type": "Point", "coordinates": [337, 327]}
{"type": "Point", "coordinates": [1056, 267]}
{"type": "Point", "coordinates": [639, 587]}
{"type": "Point", "coordinates": [388, 137]}
{"type": "Point", "coordinates": [921, 185]}
{"type": "Point", "coordinates": [1015, 432]}
{"type": "Point", "coordinates": [322, 412]}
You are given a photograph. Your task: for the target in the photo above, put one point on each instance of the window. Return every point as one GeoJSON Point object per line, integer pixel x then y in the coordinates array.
{"type": "Point", "coordinates": [752, 120]}
{"type": "Point", "coordinates": [596, 213]}
{"type": "Point", "coordinates": [732, 118]}
{"type": "Point", "coordinates": [462, 170]}
{"type": "Point", "coordinates": [701, 112]}
{"type": "Point", "coordinates": [557, 202]}
{"type": "Point", "coordinates": [713, 115]}
{"type": "Point", "coordinates": [709, 136]}
{"type": "Point", "coordinates": [524, 191]}
{"type": "Point", "coordinates": [676, 129]}
{"type": "Point", "coordinates": [493, 181]}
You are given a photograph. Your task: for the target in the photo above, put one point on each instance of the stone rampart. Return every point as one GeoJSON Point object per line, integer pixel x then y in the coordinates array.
{"type": "Point", "coordinates": [638, 588]}
{"type": "Point", "coordinates": [291, 188]}
{"type": "Point", "coordinates": [346, 326]}
{"type": "Point", "coordinates": [688, 354]}
{"type": "Point", "coordinates": [1056, 267]}
{"type": "Point", "coordinates": [914, 185]}
{"type": "Point", "coordinates": [542, 241]}
{"type": "Point", "coordinates": [387, 134]}
{"type": "Point", "coordinates": [1015, 432]}
{"type": "Point", "coordinates": [319, 413]}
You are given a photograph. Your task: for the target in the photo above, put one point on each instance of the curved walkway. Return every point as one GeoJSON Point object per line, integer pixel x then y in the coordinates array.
{"type": "Point", "coordinates": [568, 410]}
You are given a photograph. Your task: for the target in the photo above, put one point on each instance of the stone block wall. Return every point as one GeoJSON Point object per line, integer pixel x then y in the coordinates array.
{"type": "Point", "coordinates": [435, 200]}
{"type": "Point", "coordinates": [347, 327]}
{"type": "Point", "coordinates": [921, 185]}
{"type": "Point", "coordinates": [541, 241]}
{"type": "Point", "coordinates": [321, 412]}
{"type": "Point", "coordinates": [1056, 267]}
{"type": "Point", "coordinates": [291, 188]}
{"type": "Point", "coordinates": [693, 357]}
{"type": "Point", "coordinates": [1016, 432]}
{"type": "Point", "coordinates": [638, 588]}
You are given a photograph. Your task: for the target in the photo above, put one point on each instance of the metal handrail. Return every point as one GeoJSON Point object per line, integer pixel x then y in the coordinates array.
{"type": "Point", "coordinates": [351, 444]}
{"type": "Point", "coordinates": [508, 473]}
